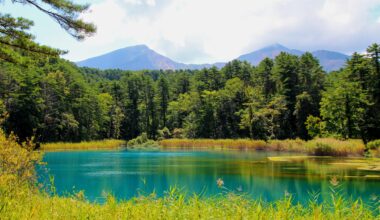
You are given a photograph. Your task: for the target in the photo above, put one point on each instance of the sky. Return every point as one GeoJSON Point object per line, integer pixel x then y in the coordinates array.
{"type": "Point", "coordinates": [207, 31]}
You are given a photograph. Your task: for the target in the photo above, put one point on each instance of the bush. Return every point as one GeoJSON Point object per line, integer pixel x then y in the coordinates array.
{"type": "Point", "coordinates": [142, 141]}
{"type": "Point", "coordinates": [373, 145]}
{"type": "Point", "coordinates": [178, 133]}
{"type": "Point", "coordinates": [17, 160]}
{"type": "Point", "coordinates": [322, 149]}
{"type": "Point", "coordinates": [314, 126]}
{"type": "Point", "coordinates": [164, 134]}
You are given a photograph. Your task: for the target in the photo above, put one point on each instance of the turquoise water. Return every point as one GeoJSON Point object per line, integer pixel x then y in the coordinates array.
{"type": "Point", "coordinates": [126, 174]}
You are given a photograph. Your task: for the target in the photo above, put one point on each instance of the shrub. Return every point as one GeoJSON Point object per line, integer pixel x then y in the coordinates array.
{"type": "Point", "coordinates": [178, 133]}
{"type": "Point", "coordinates": [314, 126]}
{"type": "Point", "coordinates": [142, 141]}
{"type": "Point", "coordinates": [164, 134]}
{"type": "Point", "coordinates": [17, 161]}
{"type": "Point", "coordinates": [322, 149]}
{"type": "Point", "coordinates": [373, 145]}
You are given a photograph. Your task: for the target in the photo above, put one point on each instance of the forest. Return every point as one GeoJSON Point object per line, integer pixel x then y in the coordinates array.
{"type": "Point", "coordinates": [289, 97]}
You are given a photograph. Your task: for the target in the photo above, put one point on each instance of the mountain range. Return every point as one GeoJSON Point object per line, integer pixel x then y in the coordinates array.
{"type": "Point", "coordinates": [141, 57]}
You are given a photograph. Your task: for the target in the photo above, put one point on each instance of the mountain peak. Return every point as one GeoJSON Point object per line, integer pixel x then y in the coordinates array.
{"type": "Point", "coordinates": [276, 46]}
{"type": "Point", "coordinates": [138, 46]}
{"type": "Point", "coordinates": [141, 57]}
{"type": "Point", "coordinates": [138, 57]}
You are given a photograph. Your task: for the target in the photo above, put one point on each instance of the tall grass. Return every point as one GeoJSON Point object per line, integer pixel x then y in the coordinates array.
{"type": "Point", "coordinates": [213, 143]}
{"type": "Point", "coordinates": [33, 205]}
{"type": "Point", "coordinates": [84, 145]}
{"type": "Point", "coordinates": [319, 147]}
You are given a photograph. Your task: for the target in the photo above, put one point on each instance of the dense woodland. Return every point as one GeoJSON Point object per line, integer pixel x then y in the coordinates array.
{"type": "Point", "coordinates": [288, 97]}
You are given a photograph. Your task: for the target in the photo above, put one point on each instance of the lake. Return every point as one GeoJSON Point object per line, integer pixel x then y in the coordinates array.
{"type": "Point", "coordinates": [269, 176]}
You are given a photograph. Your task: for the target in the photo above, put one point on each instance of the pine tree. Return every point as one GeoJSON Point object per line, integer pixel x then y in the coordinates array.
{"type": "Point", "coordinates": [17, 44]}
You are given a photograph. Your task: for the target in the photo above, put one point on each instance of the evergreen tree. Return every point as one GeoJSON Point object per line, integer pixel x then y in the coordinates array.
{"type": "Point", "coordinates": [163, 96]}
{"type": "Point", "coordinates": [14, 36]}
{"type": "Point", "coordinates": [285, 72]}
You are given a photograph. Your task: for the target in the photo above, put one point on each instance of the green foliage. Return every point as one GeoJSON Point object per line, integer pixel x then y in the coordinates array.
{"type": "Point", "coordinates": [164, 134]}
{"type": "Point", "coordinates": [18, 46]}
{"type": "Point", "coordinates": [314, 126]}
{"type": "Point", "coordinates": [373, 145]}
{"type": "Point", "coordinates": [17, 162]}
{"type": "Point", "coordinates": [343, 107]}
{"type": "Point", "coordinates": [142, 141]}
{"type": "Point", "coordinates": [288, 97]}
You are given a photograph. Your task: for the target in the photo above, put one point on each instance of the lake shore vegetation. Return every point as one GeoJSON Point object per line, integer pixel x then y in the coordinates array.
{"type": "Point", "coordinates": [84, 145]}
{"type": "Point", "coordinates": [316, 147]}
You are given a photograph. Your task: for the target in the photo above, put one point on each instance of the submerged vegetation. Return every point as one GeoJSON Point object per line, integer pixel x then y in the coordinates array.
{"type": "Point", "coordinates": [101, 144]}
{"type": "Point", "coordinates": [317, 147]}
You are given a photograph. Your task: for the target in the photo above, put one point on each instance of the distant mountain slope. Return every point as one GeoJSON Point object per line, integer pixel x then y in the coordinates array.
{"type": "Point", "coordinates": [272, 51]}
{"type": "Point", "coordinates": [141, 57]}
{"type": "Point", "coordinates": [329, 60]}
{"type": "Point", "coordinates": [131, 58]}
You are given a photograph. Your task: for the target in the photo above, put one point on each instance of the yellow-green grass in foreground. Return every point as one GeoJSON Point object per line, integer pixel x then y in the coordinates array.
{"type": "Point", "coordinates": [319, 146]}
{"type": "Point", "coordinates": [27, 205]}
{"type": "Point", "coordinates": [85, 145]}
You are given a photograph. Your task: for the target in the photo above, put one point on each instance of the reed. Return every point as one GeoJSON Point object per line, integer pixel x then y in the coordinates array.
{"type": "Point", "coordinates": [335, 147]}
{"type": "Point", "coordinates": [318, 147]}
{"type": "Point", "coordinates": [84, 145]}
{"type": "Point", "coordinates": [214, 144]}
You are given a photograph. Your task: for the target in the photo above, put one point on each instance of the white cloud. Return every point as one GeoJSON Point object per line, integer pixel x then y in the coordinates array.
{"type": "Point", "coordinates": [141, 2]}
{"type": "Point", "coordinates": [219, 30]}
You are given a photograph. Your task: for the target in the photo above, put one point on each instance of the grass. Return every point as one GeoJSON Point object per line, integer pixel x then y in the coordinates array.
{"type": "Point", "coordinates": [316, 147]}
{"type": "Point", "coordinates": [85, 145]}
{"type": "Point", "coordinates": [175, 206]}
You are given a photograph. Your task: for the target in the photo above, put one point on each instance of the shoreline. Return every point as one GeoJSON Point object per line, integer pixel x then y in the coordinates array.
{"type": "Point", "coordinates": [315, 147]}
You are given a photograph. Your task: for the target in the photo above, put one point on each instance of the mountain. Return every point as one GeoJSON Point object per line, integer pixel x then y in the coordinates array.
{"type": "Point", "coordinates": [131, 58]}
{"type": "Point", "coordinates": [141, 57]}
{"type": "Point", "coordinates": [271, 52]}
{"type": "Point", "coordinates": [329, 60]}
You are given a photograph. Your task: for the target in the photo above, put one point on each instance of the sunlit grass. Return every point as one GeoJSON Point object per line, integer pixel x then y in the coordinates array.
{"type": "Point", "coordinates": [87, 145]}
{"type": "Point", "coordinates": [214, 143]}
{"type": "Point", "coordinates": [175, 205]}
{"type": "Point", "coordinates": [317, 147]}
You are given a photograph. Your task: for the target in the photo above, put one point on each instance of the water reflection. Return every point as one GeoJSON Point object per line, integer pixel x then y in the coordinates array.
{"type": "Point", "coordinates": [128, 173]}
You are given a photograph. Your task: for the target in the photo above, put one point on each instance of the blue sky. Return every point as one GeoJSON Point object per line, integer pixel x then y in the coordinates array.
{"type": "Point", "coordinates": [203, 31]}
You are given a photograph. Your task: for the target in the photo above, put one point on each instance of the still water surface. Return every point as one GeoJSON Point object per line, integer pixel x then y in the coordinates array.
{"type": "Point", "coordinates": [126, 174]}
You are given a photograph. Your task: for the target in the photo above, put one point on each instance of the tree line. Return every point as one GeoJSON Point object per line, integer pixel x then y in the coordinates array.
{"type": "Point", "coordinates": [287, 97]}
